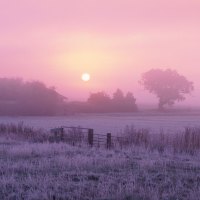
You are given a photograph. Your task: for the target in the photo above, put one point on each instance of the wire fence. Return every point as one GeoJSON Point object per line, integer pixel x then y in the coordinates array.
{"type": "Point", "coordinates": [86, 136]}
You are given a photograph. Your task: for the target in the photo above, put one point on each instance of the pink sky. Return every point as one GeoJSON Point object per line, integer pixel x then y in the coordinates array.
{"type": "Point", "coordinates": [55, 41]}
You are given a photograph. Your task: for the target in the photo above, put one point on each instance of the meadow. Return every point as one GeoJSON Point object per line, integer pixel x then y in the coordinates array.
{"type": "Point", "coordinates": [151, 166]}
{"type": "Point", "coordinates": [115, 122]}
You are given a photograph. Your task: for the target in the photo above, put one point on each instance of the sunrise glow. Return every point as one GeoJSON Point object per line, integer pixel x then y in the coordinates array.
{"type": "Point", "coordinates": [85, 77]}
{"type": "Point", "coordinates": [100, 99]}
{"type": "Point", "coordinates": [115, 41]}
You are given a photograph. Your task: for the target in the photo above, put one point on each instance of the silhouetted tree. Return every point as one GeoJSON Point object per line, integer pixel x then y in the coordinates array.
{"type": "Point", "coordinates": [118, 101]}
{"type": "Point", "coordinates": [10, 89]}
{"type": "Point", "coordinates": [167, 85]}
{"type": "Point", "coordinates": [99, 98]}
{"type": "Point", "coordinates": [99, 101]}
{"type": "Point", "coordinates": [121, 103]}
{"type": "Point", "coordinates": [28, 98]}
{"type": "Point", "coordinates": [118, 96]}
{"type": "Point", "coordinates": [130, 102]}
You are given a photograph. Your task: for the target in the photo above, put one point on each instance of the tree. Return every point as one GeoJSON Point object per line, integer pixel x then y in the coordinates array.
{"type": "Point", "coordinates": [118, 96]}
{"type": "Point", "coordinates": [167, 85]}
{"type": "Point", "coordinates": [102, 102]}
{"type": "Point", "coordinates": [28, 98]}
{"type": "Point", "coordinates": [36, 98]}
{"type": "Point", "coordinates": [123, 103]}
{"type": "Point", "coordinates": [10, 89]}
{"type": "Point", "coordinates": [118, 101]}
{"type": "Point", "coordinates": [99, 101]}
{"type": "Point", "coordinates": [99, 98]}
{"type": "Point", "coordinates": [130, 102]}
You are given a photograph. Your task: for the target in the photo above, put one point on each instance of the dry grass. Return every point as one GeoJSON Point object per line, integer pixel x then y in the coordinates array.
{"type": "Point", "coordinates": [187, 141]}
{"type": "Point", "coordinates": [37, 165]}
{"type": "Point", "coordinates": [49, 171]}
{"type": "Point", "coordinates": [21, 132]}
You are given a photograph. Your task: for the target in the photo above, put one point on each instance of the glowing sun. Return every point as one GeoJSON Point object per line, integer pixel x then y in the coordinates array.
{"type": "Point", "coordinates": [85, 77]}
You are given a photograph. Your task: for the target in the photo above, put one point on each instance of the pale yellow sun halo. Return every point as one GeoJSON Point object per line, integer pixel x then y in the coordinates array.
{"type": "Point", "coordinates": [85, 77]}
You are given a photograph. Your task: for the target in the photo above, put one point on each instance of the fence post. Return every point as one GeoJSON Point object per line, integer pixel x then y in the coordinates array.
{"type": "Point", "coordinates": [90, 137]}
{"type": "Point", "coordinates": [62, 134]}
{"type": "Point", "coordinates": [108, 140]}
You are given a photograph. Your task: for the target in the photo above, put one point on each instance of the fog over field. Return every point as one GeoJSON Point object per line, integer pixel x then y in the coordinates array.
{"type": "Point", "coordinates": [114, 41]}
{"type": "Point", "coordinates": [115, 122]}
{"type": "Point", "coordinates": [99, 100]}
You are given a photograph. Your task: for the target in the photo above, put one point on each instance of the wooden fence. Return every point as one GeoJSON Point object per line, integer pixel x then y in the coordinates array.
{"type": "Point", "coordinates": [78, 135]}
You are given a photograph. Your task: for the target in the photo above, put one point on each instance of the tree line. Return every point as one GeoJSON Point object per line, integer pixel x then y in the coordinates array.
{"type": "Point", "coordinates": [18, 97]}
{"type": "Point", "coordinates": [100, 102]}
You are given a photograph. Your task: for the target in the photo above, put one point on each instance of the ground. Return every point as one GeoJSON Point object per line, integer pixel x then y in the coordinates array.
{"type": "Point", "coordinates": [57, 171]}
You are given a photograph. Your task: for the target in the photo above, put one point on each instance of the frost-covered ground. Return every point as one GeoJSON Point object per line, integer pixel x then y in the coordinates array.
{"type": "Point", "coordinates": [114, 123]}
{"type": "Point", "coordinates": [163, 167]}
{"type": "Point", "coordinates": [35, 171]}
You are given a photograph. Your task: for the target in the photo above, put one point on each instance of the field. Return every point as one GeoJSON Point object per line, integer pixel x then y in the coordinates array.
{"type": "Point", "coordinates": [164, 167]}
{"type": "Point", "coordinates": [102, 123]}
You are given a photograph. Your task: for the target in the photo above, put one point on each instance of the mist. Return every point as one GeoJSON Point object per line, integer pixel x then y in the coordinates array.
{"type": "Point", "coordinates": [115, 42]}
{"type": "Point", "coordinates": [19, 97]}
{"type": "Point", "coordinates": [99, 99]}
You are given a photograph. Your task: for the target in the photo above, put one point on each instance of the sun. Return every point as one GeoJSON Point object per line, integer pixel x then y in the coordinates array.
{"type": "Point", "coordinates": [85, 77]}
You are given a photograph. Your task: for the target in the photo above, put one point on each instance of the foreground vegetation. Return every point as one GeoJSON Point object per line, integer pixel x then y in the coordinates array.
{"type": "Point", "coordinates": [31, 169]}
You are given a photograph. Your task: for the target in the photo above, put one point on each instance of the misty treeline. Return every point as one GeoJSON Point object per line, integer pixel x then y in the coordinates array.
{"type": "Point", "coordinates": [101, 102]}
{"type": "Point", "coordinates": [18, 97]}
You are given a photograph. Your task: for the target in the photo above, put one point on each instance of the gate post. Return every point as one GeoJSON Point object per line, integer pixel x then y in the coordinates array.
{"type": "Point", "coordinates": [90, 137]}
{"type": "Point", "coordinates": [108, 140]}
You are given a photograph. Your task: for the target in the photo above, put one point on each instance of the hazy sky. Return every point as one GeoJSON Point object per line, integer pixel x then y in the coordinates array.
{"type": "Point", "coordinates": [55, 41]}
